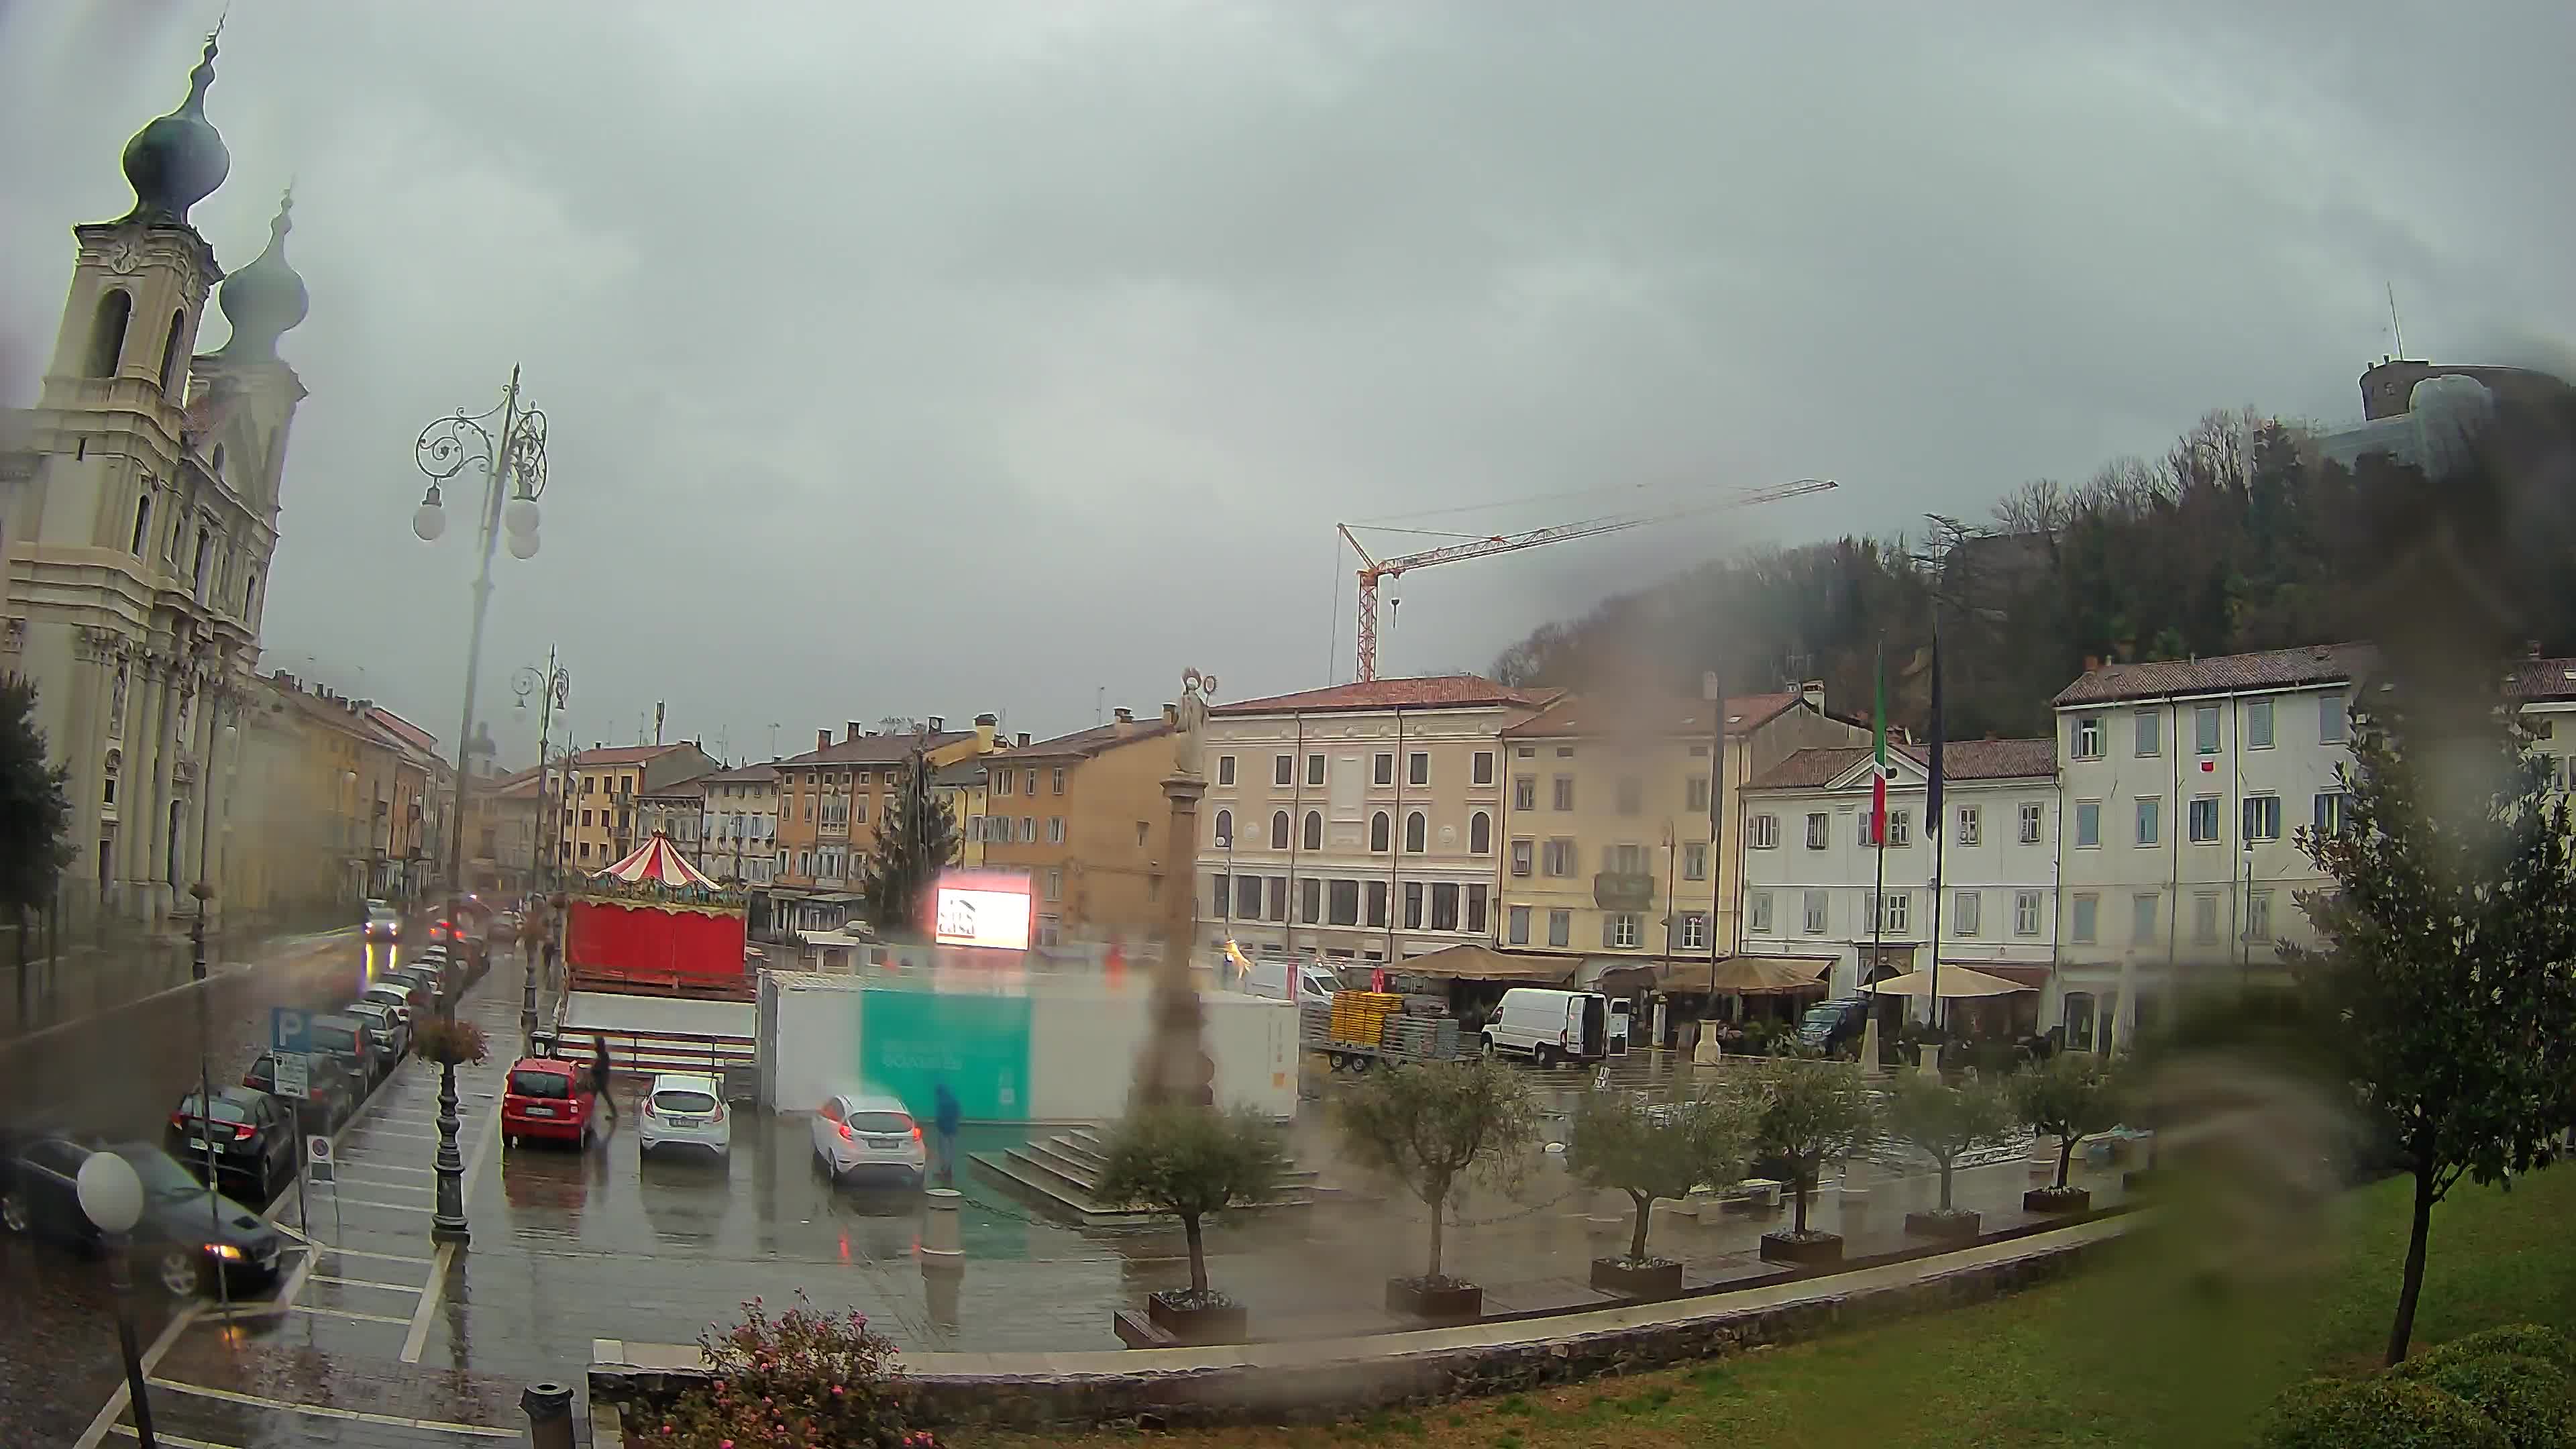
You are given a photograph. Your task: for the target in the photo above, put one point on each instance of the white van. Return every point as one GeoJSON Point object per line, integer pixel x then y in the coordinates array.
{"type": "Point", "coordinates": [1550, 1026]}
{"type": "Point", "coordinates": [1268, 977]}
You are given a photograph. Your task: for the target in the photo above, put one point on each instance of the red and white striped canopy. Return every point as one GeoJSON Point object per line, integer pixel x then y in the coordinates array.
{"type": "Point", "coordinates": [655, 861]}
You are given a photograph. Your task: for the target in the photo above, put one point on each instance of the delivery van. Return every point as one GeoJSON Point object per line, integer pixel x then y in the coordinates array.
{"type": "Point", "coordinates": [1550, 1026]}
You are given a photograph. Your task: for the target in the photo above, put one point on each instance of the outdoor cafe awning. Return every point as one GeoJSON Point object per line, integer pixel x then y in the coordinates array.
{"type": "Point", "coordinates": [1732, 975]}
{"type": "Point", "coordinates": [1957, 983]}
{"type": "Point", "coordinates": [1477, 963]}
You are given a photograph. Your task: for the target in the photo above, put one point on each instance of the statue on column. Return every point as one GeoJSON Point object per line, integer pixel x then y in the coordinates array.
{"type": "Point", "coordinates": [1190, 731]}
{"type": "Point", "coordinates": [116, 701]}
{"type": "Point", "coordinates": [1175, 1066]}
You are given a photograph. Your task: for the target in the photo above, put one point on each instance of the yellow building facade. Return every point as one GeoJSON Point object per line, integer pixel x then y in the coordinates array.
{"type": "Point", "coordinates": [1084, 814]}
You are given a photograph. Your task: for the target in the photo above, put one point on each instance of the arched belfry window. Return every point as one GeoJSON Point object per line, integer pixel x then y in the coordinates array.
{"type": "Point", "coordinates": [171, 381]}
{"type": "Point", "coordinates": [107, 333]}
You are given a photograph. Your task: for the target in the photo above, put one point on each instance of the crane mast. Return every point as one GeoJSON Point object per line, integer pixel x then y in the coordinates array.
{"type": "Point", "coordinates": [1375, 571]}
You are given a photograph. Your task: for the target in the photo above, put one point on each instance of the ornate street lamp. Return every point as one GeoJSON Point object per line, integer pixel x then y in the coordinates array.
{"type": "Point", "coordinates": [513, 463]}
{"type": "Point", "coordinates": [111, 1197]}
{"type": "Point", "coordinates": [553, 687]}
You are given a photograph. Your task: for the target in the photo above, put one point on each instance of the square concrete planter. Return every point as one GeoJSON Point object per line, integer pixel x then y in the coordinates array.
{"type": "Point", "coordinates": [1956, 1224]}
{"type": "Point", "coordinates": [2057, 1200]}
{"type": "Point", "coordinates": [1435, 1300]}
{"type": "Point", "coordinates": [1813, 1250]}
{"type": "Point", "coordinates": [1650, 1278]}
{"type": "Point", "coordinates": [1218, 1320]}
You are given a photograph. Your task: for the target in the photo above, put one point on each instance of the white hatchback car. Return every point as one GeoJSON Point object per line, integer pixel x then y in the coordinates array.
{"type": "Point", "coordinates": [684, 1109]}
{"type": "Point", "coordinates": [869, 1135]}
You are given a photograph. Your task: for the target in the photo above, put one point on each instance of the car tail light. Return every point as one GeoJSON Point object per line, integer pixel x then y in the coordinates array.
{"type": "Point", "coordinates": [242, 1131]}
{"type": "Point", "coordinates": [179, 1119]}
{"type": "Point", "coordinates": [649, 1110]}
{"type": "Point", "coordinates": [916, 1132]}
{"type": "Point", "coordinates": [846, 1133]}
{"type": "Point", "coordinates": [719, 1116]}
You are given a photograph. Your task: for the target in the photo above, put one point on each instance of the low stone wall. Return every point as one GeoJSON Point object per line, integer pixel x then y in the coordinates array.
{"type": "Point", "coordinates": [1309, 1382]}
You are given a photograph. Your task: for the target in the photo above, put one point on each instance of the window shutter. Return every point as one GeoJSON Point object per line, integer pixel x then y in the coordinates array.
{"type": "Point", "coordinates": [1606, 937]}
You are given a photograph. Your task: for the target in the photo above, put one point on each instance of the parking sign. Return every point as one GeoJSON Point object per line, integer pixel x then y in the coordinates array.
{"type": "Point", "coordinates": [291, 1076]}
{"type": "Point", "coordinates": [318, 1162]}
{"type": "Point", "coordinates": [289, 1030]}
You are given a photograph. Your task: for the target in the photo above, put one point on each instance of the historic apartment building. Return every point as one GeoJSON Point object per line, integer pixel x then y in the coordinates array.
{"type": "Point", "coordinates": [1608, 820]}
{"type": "Point", "coordinates": [602, 803]}
{"type": "Point", "coordinates": [831, 800]}
{"type": "Point", "coordinates": [1084, 814]}
{"type": "Point", "coordinates": [1359, 822]}
{"type": "Point", "coordinates": [740, 836]}
{"type": "Point", "coordinates": [138, 518]}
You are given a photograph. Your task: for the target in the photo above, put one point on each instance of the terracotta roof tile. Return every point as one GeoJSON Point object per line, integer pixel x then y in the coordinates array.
{"type": "Point", "coordinates": [1588, 715]}
{"type": "Point", "coordinates": [2224, 674]}
{"type": "Point", "coordinates": [2539, 679]}
{"type": "Point", "coordinates": [891, 749]}
{"type": "Point", "coordinates": [1083, 743]}
{"type": "Point", "coordinates": [623, 754]}
{"type": "Point", "coordinates": [1810, 769]}
{"type": "Point", "coordinates": [1435, 691]}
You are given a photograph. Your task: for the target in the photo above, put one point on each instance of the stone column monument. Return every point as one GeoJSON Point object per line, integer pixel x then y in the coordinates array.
{"type": "Point", "coordinates": [1175, 1066]}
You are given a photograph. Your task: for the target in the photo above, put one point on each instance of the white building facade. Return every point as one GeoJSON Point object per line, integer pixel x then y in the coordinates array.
{"type": "Point", "coordinates": [1811, 874]}
{"type": "Point", "coordinates": [2185, 783]}
{"type": "Point", "coordinates": [739, 834]}
{"type": "Point", "coordinates": [1357, 823]}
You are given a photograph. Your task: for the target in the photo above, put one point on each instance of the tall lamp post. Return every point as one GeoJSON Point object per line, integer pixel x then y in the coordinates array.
{"type": "Point", "coordinates": [552, 686]}
{"type": "Point", "coordinates": [513, 462]}
{"type": "Point", "coordinates": [111, 1197]}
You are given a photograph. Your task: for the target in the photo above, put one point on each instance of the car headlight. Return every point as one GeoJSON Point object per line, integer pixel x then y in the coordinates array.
{"type": "Point", "coordinates": [225, 1251]}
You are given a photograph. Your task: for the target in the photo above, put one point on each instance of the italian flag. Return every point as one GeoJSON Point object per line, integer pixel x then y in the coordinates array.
{"type": "Point", "coordinates": [1878, 748]}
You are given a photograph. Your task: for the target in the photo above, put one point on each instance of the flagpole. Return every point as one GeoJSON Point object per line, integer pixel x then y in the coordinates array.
{"type": "Point", "coordinates": [1878, 813]}
{"type": "Point", "coordinates": [1933, 815]}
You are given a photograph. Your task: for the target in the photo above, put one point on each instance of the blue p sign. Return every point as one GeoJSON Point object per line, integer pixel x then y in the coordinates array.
{"type": "Point", "coordinates": [288, 1030]}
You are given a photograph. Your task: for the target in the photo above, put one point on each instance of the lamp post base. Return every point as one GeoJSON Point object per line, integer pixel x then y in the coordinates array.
{"type": "Point", "coordinates": [447, 1224]}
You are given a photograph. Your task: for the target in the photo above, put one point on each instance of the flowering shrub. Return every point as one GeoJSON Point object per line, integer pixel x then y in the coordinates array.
{"type": "Point", "coordinates": [802, 1380]}
{"type": "Point", "coordinates": [450, 1041]}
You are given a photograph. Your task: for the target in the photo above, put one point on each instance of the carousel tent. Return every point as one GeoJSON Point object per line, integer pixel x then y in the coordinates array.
{"type": "Point", "coordinates": [656, 863]}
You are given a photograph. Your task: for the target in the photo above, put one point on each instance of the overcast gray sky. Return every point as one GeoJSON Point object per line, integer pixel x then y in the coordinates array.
{"type": "Point", "coordinates": [923, 359]}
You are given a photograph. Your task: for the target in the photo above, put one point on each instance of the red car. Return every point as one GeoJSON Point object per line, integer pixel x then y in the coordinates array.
{"type": "Point", "coordinates": [548, 1097]}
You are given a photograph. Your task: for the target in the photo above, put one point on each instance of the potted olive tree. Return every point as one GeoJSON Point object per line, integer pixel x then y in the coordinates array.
{"type": "Point", "coordinates": [1190, 1161]}
{"type": "Point", "coordinates": [1651, 1150]}
{"type": "Point", "coordinates": [2070, 1097]}
{"type": "Point", "coordinates": [1808, 1113]}
{"type": "Point", "coordinates": [1428, 1127]}
{"type": "Point", "coordinates": [1945, 1122]}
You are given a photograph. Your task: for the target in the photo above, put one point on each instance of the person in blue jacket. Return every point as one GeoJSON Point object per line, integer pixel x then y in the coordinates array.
{"type": "Point", "coordinates": [946, 1112]}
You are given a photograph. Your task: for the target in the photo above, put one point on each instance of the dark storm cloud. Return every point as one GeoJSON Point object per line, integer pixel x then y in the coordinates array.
{"type": "Point", "coordinates": [932, 359]}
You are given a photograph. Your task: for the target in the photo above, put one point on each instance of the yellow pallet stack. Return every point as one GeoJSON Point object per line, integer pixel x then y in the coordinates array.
{"type": "Point", "coordinates": [1359, 1017]}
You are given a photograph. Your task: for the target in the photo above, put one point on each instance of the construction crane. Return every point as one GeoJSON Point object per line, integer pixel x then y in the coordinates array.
{"type": "Point", "coordinates": [1375, 571]}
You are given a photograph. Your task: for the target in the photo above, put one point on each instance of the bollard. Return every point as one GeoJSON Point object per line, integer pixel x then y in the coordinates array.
{"type": "Point", "coordinates": [940, 1243]}
{"type": "Point", "coordinates": [549, 1408]}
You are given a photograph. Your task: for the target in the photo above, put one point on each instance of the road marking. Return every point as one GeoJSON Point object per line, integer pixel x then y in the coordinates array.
{"type": "Point", "coordinates": [367, 1283]}
{"type": "Point", "coordinates": [391, 1207]}
{"type": "Point", "coordinates": [344, 1313]}
{"type": "Point", "coordinates": [165, 1437]}
{"type": "Point", "coordinates": [419, 1335]}
{"type": "Point", "coordinates": [326, 1411]}
{"type": "Point", "coordinates": [320, 1248]}
{"type": "Point", "coordinates": [370, 1133]}
{"type": "Point", "coordinates": [387, 1167]}
{"type": "Point", "coordinates": [107, 1414]}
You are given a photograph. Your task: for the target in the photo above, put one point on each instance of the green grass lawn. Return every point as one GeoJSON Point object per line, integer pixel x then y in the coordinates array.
{"type": "Point", "coordinates": [2149, 1348]}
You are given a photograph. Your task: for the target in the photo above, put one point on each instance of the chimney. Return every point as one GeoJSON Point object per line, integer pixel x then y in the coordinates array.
{"type": "Point", "coordinates": [1813, 692]}
{"type": "Point", "coordinates": [1125, 723]}
{"type": "Point", "coordinates": [2092, 663]}
{"type": "Point", "coordinates": [823, 739]}
{"type": "Point", "coordinates": [986, 726]}
{"type": "Point", "coordinates": [939, 724]}
{"type": "Point", "coordinates": [1021, 739]}
{"type": "Point", "coordinates": [852, 730]}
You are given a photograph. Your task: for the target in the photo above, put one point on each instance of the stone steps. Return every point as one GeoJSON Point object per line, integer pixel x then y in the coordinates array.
{"type": "Point", "coordinates": [1062, 1175]}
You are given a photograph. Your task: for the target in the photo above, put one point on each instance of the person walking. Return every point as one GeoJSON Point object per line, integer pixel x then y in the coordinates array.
{"type": "Point", "coordinates": [946, 1113]}
{"type": "Point", "coordinates": [607, 1101]}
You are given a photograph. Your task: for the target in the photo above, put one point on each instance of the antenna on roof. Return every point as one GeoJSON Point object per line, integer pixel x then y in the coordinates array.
{"type": "Point", "coordinates": [2396, 330]}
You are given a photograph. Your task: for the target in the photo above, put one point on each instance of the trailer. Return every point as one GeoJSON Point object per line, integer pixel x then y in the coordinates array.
{"type": "Point", "coordinates": [1357, 1030]}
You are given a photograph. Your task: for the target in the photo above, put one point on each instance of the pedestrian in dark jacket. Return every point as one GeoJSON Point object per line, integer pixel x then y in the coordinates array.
{"type": "Point", "coordinates": [599, 1077]}
{"type": "Point", "coordinates": [946, 1114]}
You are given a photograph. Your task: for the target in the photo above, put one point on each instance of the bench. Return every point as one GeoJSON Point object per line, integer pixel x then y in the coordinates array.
{"type": "Point", "coordinates": [1138, 1331]}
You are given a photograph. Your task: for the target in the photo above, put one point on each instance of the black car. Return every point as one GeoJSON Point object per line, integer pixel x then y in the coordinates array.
{"type": "Point", "coordinates": [185, 1234]}
{"type": "Point", "coordinates": [327, 1099]}
{"type": "Point", "coordinates": [254, 1141]}
{"type": "Point", "coordinates": [350, 1049]}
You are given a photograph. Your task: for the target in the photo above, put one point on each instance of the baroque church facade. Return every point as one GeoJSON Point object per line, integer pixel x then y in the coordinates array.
{"type": "Point", "coordinates": [138, 518]}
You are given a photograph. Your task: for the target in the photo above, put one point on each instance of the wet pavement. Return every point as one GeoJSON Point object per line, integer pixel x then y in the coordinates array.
{"type": "Point", "coordinates": [380, 1337]}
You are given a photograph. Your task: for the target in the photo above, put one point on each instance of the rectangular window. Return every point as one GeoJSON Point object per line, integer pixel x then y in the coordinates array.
{"type": "Point", "coordinates": [1055, 885]}
{"type": "Point", "coordinates": [1028, 830]}
{"type": "Point", "coordinates": [1762, 832]}
{"type": "Point", "coordinates": [2031, 814]}
{"type": "Point", "coordinates": [2258, 915]}
{"type": "Point", "coordinates": [1382, 767]}
{"type": "Point", "coordinates": [1444, 905]}
{"type": "Point", "coordinates": [1695, 861]}
{"type": "Point", "coordinates": [1517, 931]}
{"type": "Point", "coordinates": [1057, 783]}
{"type": "Point", "coordinates": [1900, 827]}
{"type": "Point", "coordinates": [1564, 799]}
{"type": "Point", "coordinates": [1965, 907]}
{"type": "Point", "coordinates": [1695, 793]}
{"type": "Point", "coordinates": [2262, 817]}
{"type": "Point", "coordinates": [1283, 771]}
{"type": "Point", "coordinates": [1225, 769]}
{"type": "Point", "coordinates": [1820, 830]}
{"type": "Point", "coordinates": [1525, 792]}
{"type": "Point", "coordinates": [2204, 730]}
{"type": "Point", "coordinates": [1475, 922]}
{"type": "Point", "coordinates": [1314, 769]}
{"type": "Point", "coordinates": [1625, 859]}
{"type": "Point", "coordinates": [1971, 830]}
{"type": "Point", "coordinates": [1560, 928]}
{"type": "Point", "coordinates": [1002, 782]}
{"type": "Point", "coordinates": [1620, 930]}
{"type": "Point", "coordinates": [2204, 820]}
{"type": "Point", "coordinates": [2151, 820]}
{"type": "Point", "coordinates": [1279, 898]}
{"type": "Point", "coordinates": [1816, 912]}
{"type": "Point", "coordinates": [2334, 720]}
{"type": "Point", "coordinates": [1310, 900]}
{"type": "Point", "coordinates": [1247, 897]}
{"type": "Point", "coordinates": [1483, 770]}
{"type": "Point", "coordinates": [2142, 919]}
{"type": "Point", "coordinates": [2151, 733]}
{"type": "Point", "coordinates": [2088, 824]}
{"type": "Point", "coordinates": [1344, 903]}
{"type": "Point", "coordinates": [2204, 917]}
{"type": "Point", "coordinates": [1417, 768]}
{"type": "Point", "coordinates": [1757, 907]}
{"type": "Point", "coordinates": [1055, 830]}
{"type": "Point", "coordinates": [1632, 795]}
{"type": "Point", "coordinates": [1413, 905]}
{"type": "Point", "coordinates": [2025, 913]}
{"type": "Point", "coordinates": [1558, 858]}
{"type": "Point", "coordinates": [1522, 852]}
{"type": "Point", "coordinates": [2084, 918]}
{"type": "Point", "coordinates": [2258, 724]}
{"type": "Point", "coordinates": [1694, 931]}
{"type": "Point", "coordinates": [2330, 806]}
{"type": "Point", "coordinates": [2087, 742]}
